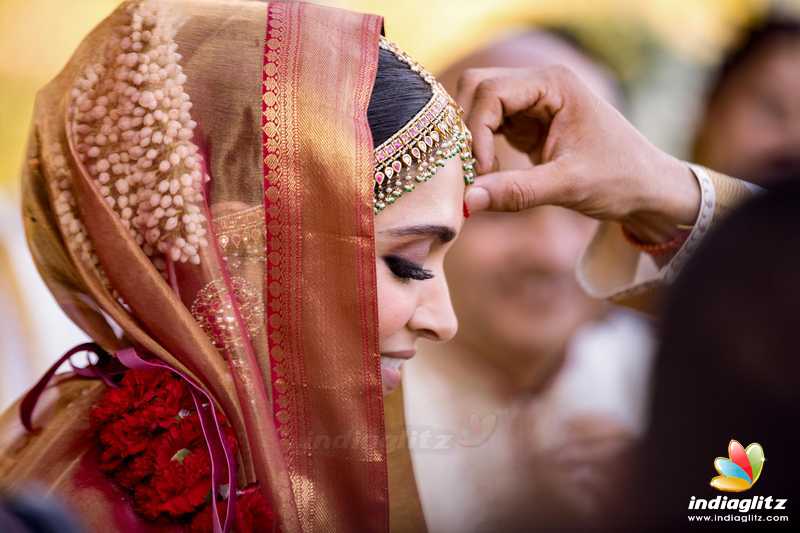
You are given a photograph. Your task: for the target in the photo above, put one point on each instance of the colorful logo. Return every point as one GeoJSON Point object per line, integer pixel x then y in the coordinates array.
{"type": "Point", "coordinates": [741, 469]}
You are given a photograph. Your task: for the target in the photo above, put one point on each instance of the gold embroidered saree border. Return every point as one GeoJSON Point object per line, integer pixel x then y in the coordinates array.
{"type": "Point", "coordinates": [319, 280]}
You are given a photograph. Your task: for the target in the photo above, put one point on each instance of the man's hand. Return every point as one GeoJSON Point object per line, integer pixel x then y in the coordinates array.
{"type": "Point", "coordinates": [592, 160]}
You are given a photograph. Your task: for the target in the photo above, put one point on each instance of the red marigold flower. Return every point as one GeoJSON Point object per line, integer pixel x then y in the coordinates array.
{"type": "Point", "coordinates": [151, 442]}
{"type": "Point", "coordinates": [181, 478]}
{"type": "Point", "coordinates": [138, 470]}
{"type": "Point", "coordinates": [127, 418]}
{"type": "Point", "coordinates": [137, 389]}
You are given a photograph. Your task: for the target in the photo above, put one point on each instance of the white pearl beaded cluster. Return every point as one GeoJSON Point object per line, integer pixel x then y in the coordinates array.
{"type": "Point", "coordinates": [66, 210]}
{"type": "Point", "coordinates": [133, 133]}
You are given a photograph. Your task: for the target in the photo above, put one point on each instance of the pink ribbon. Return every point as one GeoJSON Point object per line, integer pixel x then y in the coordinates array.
{"type": "Point", "coordinates": [97, 370]}
{"type": "Point", "coordinates": [106, 367]}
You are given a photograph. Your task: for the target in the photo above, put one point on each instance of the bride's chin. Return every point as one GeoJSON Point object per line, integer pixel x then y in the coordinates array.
{"type": "Point", "coordinates": [390, 374]}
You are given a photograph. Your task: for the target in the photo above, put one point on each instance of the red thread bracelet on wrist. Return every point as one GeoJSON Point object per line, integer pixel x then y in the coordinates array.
{"type": "Point", "coordinates": [655, 249]}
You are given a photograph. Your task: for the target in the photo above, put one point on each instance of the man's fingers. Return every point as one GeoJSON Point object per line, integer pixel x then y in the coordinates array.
{"type": "Point", "coordinates": [469, 81]}
{"type": "Point", "coordinates": [536, 94]}
{"type": "Point", "coordinates": [482, 127]}
{"type": "Point", "coordinates": [465, 90]}
{"type": "Point", "coordinates": [477, 199]}
{"type": "Point", "coordinates": [515, 190]}
{"type": "Point", "coordinates": [470, 92]}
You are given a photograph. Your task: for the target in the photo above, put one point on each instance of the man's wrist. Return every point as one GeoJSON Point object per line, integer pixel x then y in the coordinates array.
{"type": "Point", "coordinates": [669, 203]}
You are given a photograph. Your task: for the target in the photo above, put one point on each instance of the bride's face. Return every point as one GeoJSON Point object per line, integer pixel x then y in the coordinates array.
{"type": "Point", "coordinates": [412, 237]}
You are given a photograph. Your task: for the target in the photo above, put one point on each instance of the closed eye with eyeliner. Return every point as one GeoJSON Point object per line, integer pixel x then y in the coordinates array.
{"type": "Point", "coordinates": [405, 260]}
{"type": "Point", "coordinates": [406, 269]}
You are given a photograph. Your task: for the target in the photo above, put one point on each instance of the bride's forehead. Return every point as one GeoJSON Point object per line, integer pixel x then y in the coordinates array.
{"type": "Point", "coordinates": [438, 201]}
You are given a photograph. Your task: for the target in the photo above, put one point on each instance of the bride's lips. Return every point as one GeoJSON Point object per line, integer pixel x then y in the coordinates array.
{"type": "Point", "coordinates": [391, 364]}
{"type": "Point", "coordinates": [403, 354]}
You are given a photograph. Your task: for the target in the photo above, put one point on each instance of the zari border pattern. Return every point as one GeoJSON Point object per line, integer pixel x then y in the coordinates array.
{"type": "Point", "coordinates": [308, 405]}
{"type": "Point", "coordinates": [276, 154]}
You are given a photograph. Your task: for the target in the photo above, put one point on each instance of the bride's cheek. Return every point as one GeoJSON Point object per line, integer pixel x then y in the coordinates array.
{"type": "Point", "coordinates": [395, 305]}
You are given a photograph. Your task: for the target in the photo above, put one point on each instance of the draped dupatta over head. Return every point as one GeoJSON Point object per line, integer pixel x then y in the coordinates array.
{"type": "Point", "coordinates": [200, 177]}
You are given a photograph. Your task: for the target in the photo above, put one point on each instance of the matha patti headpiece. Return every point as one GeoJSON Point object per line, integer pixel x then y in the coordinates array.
{"type": "Point", "coordinates": [415, 153]}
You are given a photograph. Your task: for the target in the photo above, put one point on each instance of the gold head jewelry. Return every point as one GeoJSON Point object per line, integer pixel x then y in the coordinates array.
{"type": "Point", "coordinates": [415, 153]}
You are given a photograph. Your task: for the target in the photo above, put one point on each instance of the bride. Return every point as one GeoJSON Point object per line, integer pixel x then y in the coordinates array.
{"type": "Point", "coordinates": [248, 205]}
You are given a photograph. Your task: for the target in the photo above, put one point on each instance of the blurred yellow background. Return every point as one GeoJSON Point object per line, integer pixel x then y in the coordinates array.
{"type": "Point", "coordinates": [37, 37]}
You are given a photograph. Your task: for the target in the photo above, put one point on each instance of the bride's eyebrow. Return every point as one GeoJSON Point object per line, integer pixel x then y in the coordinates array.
{"type": "Point", "coordinates": [445, 234]}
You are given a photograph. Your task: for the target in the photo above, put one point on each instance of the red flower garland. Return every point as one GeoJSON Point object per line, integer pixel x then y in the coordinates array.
{"type": "Point", "coordinates": [151, 443]}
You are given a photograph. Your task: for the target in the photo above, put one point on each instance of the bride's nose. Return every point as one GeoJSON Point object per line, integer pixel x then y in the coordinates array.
{"type": "Point", "coordinates": [434, 317]}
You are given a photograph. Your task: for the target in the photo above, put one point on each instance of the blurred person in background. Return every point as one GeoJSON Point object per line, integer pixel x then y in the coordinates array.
{"type": "Point", "coordinates": [530, 445]}
{"type": "Point", "coordinates": [726, 369]}
{"type": "Point", "coordinates": [751, 124]}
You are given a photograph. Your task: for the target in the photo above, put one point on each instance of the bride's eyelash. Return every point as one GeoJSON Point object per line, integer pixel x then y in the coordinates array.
{"type": "Point", "coordinates": [405, 269]}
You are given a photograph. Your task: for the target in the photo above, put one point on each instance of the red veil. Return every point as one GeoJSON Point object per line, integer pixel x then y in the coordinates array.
{"type": "Point", "coordinates": [264, 292]}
